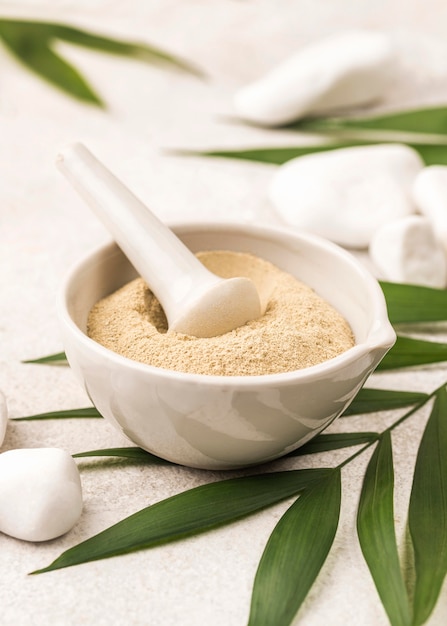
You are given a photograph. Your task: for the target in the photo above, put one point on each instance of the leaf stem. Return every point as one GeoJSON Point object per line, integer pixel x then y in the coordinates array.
{"type": "Point", "coordinates": [394, 425]}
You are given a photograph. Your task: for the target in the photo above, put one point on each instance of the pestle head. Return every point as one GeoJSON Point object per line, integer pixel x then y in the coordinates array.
{"type": "Point", "coordinates": [230, 303]}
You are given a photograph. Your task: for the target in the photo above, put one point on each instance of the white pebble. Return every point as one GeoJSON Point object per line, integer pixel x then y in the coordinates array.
{"type": "Point", "coordinates": [40, 493]}
{"type": "Point", "coordinates": [344, 71]}
{"type": "Point", "coordinates": [430, 196]}
{"type": "Point", "coordinates": [3, 417]}
{"type": "Point", "coordinates": [407, 251]}
{"type": "Point", "coordinates": [347, 194]}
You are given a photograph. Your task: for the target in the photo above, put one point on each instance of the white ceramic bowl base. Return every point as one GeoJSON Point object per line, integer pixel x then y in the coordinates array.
{"type": "Point", "coordinates": [220, 422]}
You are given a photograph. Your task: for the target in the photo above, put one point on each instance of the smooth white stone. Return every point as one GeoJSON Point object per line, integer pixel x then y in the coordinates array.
{"type": "Point", "coordinates": [3, 417]}
{"type": "Point", "coordinates": [343, 71]}
{"type": "Point", "coordinates": [408, 251]}
{"type": "Point", "coordinates": [40, 493]}
{"type": "Point", "coordinates": [430, 196]}
{"type": "Point", "coordinates": [347, 194]}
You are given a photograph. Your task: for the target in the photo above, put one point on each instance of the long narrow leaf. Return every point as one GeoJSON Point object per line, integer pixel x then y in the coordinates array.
{"type": "Point", "coordinates": [428, 511]}
{"type": "Point", "coordinates": [414, 304]}
{"type": "Point", "coordinates": [191, 512]}
{"type": "Point", "coordinates": [431, 154]}
{"type": "Point", "coordinates": [87, 412]}
{"type": "Point", "coordinates": [431, 120]}
{"type": "Point", "coordinates": [51, 359]}
{"type": "Point", "coordinates": [33, 44]}
{"type": "Point", "coordinates": [37, 55]}
{"type": "Point", "coordinates": [295, 553]}
{"type": "Point", "coordinates": [137, 454]}
{"type": "Point", "coordinates": [375, 528]}
{"type": "Point", "coordinates": [274, 155]}
{"type": "Point", "coordinates": [408, 352]}
{"type": "Point", "coordinates": [372, 400]}
{"type": "Point", "coordinates": [335, 441]}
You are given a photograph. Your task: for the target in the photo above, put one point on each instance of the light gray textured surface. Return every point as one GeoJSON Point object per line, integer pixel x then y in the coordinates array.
{"type": "Point", "coordinates": [45, 228]}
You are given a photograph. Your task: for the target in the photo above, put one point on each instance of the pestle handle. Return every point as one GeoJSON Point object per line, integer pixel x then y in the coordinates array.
{"type": "Point", "coordinates": [170, 269]}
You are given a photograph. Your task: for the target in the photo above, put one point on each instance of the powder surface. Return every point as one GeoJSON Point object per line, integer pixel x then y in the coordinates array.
{"type": "Point", "coordinates": [298, 329]}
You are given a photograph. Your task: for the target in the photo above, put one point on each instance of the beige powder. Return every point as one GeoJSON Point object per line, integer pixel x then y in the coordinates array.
{"type": "Point", "coordinates": [298, 329]}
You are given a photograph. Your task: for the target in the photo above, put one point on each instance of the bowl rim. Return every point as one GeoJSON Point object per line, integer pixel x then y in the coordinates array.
{"type": "Point", "coordinates": [381, 336]}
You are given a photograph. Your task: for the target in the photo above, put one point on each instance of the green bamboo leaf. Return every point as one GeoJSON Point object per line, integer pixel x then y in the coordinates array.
{"type": "Point", "coordinates": [274, 155]}
{"type": "Point", "coordinates": [194, 511]}
{"type": "Point", "coordinates": [32, 43]}
{"type": "Point", "coordinates": [335, 441]}
{"type": "Point", "coordinates": [375, 528]}
{"type": "Point", "coordinates": [414, 303]}
{"type": "Point", "coordinates": [408, 352]}
{"type": "Point", "coordinates": [36, 54]}
{"type": "Point", "coordinates": [430, 154]}
{"type": "Point", "coordinates": [428, 511]}
{"type": "Point", "coordinates": [137, 454]}
{"type": "Point", "coordinates": [295, 553]}
{"type": "Point", "coordinates": [372, 400]}
{"type": "Point", "coordinates": [51, 359]}
{"type": "Point", "coordinates": [87, 412]}
{"type": "Point", "coordinates": [431, 120]}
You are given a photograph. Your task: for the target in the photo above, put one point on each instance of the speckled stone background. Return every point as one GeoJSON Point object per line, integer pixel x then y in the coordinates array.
{"type": "Point", "coordinates": [45, 229]}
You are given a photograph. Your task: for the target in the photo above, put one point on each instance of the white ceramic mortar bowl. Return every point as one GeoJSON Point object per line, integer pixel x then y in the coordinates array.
{"type": "Point", "coordinates": [224, 422]}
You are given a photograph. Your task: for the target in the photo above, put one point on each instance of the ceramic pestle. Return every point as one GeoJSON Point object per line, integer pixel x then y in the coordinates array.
{"type": "Point", "coordinates": [196, 301]}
